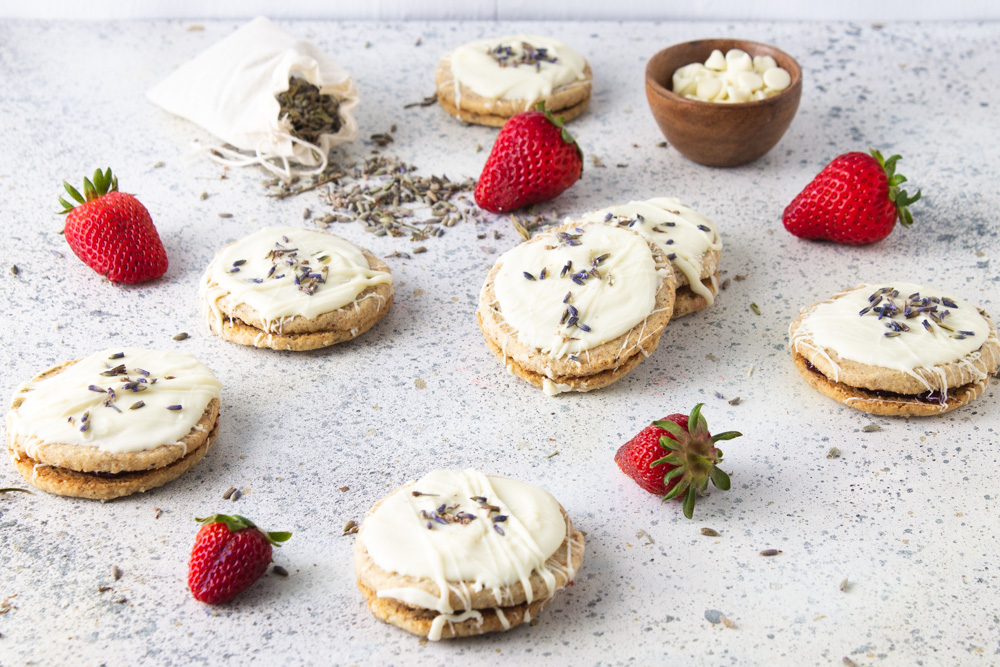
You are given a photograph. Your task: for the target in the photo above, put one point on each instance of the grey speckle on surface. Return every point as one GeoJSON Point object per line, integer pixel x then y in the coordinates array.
{"type": "Point", "coordinates": [903, 511]}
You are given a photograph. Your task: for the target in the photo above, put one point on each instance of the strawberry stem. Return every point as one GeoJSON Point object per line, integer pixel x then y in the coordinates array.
{"type": "Point", "coordinates": [559, 122]}
{"type": "Point", "coordinates": [237, 522]}
{"type": "Point", "coordinates": [693, 459]}
{"type": "Point", "coordinates": [689, 501]}
{"type": "Point", "coordinates": [898, 197]}
{"type": "Point", "coordinates": [102, 183]}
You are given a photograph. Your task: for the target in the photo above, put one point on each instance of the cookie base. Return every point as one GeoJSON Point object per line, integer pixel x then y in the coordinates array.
{"type": "Point", "coordinates": [421, 621]}
{"type": "Point", "coordinates": [687, 302]}
{"type": "Point", "coordinates": [492, 120]}
{"type": "Point", "coordinates": [567, 383]}
{"type": "Point", "coordinates": [97, 486]}
{"type": "Point", "coordinates": [875, 403]}
{"type": "Point", "coordinates": [241, 333]}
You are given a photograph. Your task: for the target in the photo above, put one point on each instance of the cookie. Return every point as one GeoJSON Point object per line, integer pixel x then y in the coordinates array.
{"type": "Point", "coordinates": [459, 553]}
{"type": "Point", "coordinates": [576, 308]}
{"type": "Point", "coordinates": [488, 81]}
{"type": "Point", "coordinates": [688, 238]}
{"type": "Point", "coordinates": [288, 288]}
{"type": "Point", "coordinates": [114, 423]}
{"type": "Point", "coordinates": [896, 349]}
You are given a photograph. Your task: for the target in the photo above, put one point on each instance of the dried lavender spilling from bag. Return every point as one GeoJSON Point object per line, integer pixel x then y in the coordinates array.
{"type": "Point", "coordinates": [269, 98]}
{"type": "Point", "coordinates": [311, 113]}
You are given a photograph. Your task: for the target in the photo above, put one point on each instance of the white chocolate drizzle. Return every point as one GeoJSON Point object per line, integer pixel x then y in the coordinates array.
{"type": "Point", "coordinates": [477, 67]}
{"type": "Point", "coordinates": [851, 323]}
{"type": "Point", "coordinates": [75, 406]}
{"type": "Point", "coordinates": [287, 272]}
{"type": "Point", "coordinates": [516, 529]}
{"type": "Point", "coordinates": [572, 291]}
{"type": "Point", "coordinates": [683, 234]}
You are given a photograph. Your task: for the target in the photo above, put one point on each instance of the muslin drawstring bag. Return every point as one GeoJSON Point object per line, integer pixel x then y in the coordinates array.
{"type": "Point", "coordinates": [230, 90]}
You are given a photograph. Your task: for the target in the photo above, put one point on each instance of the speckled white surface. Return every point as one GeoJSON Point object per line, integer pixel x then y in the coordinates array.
{"type": "Point", "coordinates": [908, 514]}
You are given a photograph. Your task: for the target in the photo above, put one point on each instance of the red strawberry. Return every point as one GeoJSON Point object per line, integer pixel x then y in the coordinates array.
{"type": "Point", "coordinates": [229, 554]}
{"type": "Point", "coordinates": [687, 452]}
{"type": "Point", "coordinates": [112, 232]}
{"type": "Point", "coordinates": [855, 200]}
{"type": "Point", "coordinates": [533, 160]}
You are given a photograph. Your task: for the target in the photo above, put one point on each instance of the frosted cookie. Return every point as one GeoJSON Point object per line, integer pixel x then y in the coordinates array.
{"type": "Point", "coordinates": [578, 307]}
{"type": "Point", "coordinates": [118, 422]}
{"type": "Point", "coordinates": [289, 288]}
{"type": "Point", "coordinates": [458, 553]}
{"type": "Point", "coordinates": [896, 349]}
{"type": "Point", "coordinates": [488, 81]}
{"type": "Point", "coordinates": [686, 237]}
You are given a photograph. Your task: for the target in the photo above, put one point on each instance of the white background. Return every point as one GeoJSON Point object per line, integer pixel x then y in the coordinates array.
{"type": "Point", "coordinates": [395, 10]}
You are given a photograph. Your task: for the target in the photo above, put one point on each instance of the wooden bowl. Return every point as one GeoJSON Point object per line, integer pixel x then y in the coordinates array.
{"type": "Point", "coordinates": [719, 134]}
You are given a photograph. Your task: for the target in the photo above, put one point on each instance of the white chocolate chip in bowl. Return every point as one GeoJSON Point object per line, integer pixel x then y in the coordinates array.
{"type": "Point", "coordinates": [708, 89]}
{"type": "Point", "coordinates": [777, 78]}
{"type": "Point", "coordinates": [737, 94]}
{"type": "Point", "coordinates": [751, 81]}
{"type": "Point", "coordinates": [716, 61]}
{"type": "Point", "coordinates": [739, 60]}
{"type": "Point", "coordinates": [763, 63]}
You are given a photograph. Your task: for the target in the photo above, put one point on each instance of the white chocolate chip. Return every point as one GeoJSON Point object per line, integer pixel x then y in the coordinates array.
{"type": "Point", "coordinates": [751, 81]}
{"type": "Point", "coordinates": [716, 61]}
{"type": "Point", "coordinates": [740, 60]}
{"type": "Point", "coordinates": [708, 89]}
{"type": "Point", "coordinates": [763, 63]}
{"type": "Point", "coordinates": [737, 94]}
{"type": "Point", "coordinates": [777, 78]}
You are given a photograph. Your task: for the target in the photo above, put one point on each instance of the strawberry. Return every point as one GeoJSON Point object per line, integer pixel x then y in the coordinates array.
{"type": "Point", "coordinates": [229, 554]}
{"type": "Point", "coordinates": [533, 160]}
{"type": "Point", "coordinates": [855, 200]}
{"type": "Point", "coordinates": [112, 232]}
{"type": "Point", "coordinates": [682, 445]}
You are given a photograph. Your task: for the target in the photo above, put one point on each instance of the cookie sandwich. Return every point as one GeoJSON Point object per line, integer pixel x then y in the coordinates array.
{"type": "Point", "coordinates": [688, 238]}
{"type": "Point", "coordinates": [578, 307]}
{"type": "Point", "coordinates": [488, 81]}
{"type": "Point", "coordinates": [460, 553]}
{"type": "Point", "coordinates": [118, 422]}
{"type": "Point", "coordinates": [896, 349]}
{"type": "Point", "coordinates": [288, 288]}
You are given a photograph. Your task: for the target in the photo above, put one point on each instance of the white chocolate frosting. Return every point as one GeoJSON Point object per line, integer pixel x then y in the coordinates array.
{"type": "Point", "coordinates": [90, 403]}
{"type": "Point", "coordinates": [571, 291]}
{"type": "Point", "coordinates": [940, 330]}
{"type": "Point", "coordinates": [683, 234]}
{"type": "Point", "coordinates": [427, 530]}
{"type": "Point", "coordinates": [286, 272]}
{"type": "Point", "coordinates": [489, 70]}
